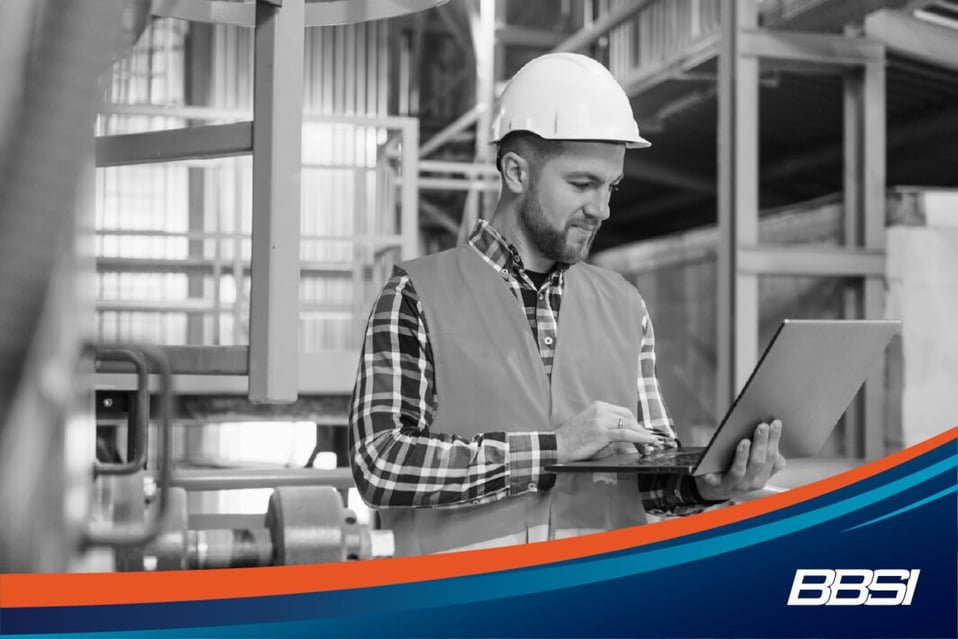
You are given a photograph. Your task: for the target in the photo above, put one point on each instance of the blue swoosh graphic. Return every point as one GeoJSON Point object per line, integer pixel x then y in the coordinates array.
{"type": "Point", "coordinates": [926, 500]}
{"type": "Point", "coordinates": [590, 570]}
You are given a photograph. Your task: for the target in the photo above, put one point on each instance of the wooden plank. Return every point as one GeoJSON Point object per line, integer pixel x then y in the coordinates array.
{"type": "Point", "coordinates": [277, 156]}
{"type": "Point", "coordinates": [222, 140]}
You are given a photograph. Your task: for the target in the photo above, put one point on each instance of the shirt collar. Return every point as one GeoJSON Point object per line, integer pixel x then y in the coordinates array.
{"type": "Point", "coordinates": [501, 253]}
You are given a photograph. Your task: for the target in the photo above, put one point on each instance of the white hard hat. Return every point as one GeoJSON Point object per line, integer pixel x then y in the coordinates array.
{"type": "Point", "coordinates": [567, 96]}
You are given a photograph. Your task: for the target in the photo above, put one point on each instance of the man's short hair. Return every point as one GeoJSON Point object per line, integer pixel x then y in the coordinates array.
{"type": "Point", "coordinates": [534, 149]}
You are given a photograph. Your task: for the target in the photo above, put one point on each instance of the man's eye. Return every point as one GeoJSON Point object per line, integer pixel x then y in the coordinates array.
{"type": "Point", "coordinates": [582, 186]}
{"type": "Point", "coordinates": [614, 187]}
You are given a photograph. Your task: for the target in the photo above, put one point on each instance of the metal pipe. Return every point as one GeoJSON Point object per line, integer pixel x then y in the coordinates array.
{"type": "Point", "coordinates": [234, 479]}
{"type": "Point", "coordinates": [237, 548]}
{"type": "Point", "coordinates": [467, 168]}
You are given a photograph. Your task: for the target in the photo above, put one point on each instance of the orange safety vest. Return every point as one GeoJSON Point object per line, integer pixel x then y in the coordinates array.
{"type": "Point", "coordinates": [490, 378]}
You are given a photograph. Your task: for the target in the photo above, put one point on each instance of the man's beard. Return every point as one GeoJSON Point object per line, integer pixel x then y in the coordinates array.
{"type": "Point", "coordinates": [553, 243]}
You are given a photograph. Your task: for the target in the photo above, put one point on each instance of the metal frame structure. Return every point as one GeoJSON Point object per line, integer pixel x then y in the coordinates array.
{"type": "Point", "coordinates": [665, 54]}
{"type": "Point", "coordinates": [742, 259]}
{"type": "Point", "coordinates": [277, 152]}
{"type": "Point", "coordinates": [315, 14]}
{"type": "Point", "coordinates": [274, 139]}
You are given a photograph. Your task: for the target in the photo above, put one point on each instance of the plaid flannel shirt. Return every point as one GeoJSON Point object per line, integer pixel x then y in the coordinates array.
{"type": "Point", "coordinates": [398, 461]}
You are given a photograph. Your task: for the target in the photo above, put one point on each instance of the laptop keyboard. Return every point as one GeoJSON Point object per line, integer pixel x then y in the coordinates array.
{"type": "Point", "coordinates": [674, 456]}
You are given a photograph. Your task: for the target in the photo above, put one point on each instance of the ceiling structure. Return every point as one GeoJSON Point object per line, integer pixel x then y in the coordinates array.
{"type": "Point", "coordinates": [671, 186]}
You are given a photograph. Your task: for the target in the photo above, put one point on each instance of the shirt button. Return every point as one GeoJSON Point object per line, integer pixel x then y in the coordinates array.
{"type": "Point", "coordinates": [548, 341]}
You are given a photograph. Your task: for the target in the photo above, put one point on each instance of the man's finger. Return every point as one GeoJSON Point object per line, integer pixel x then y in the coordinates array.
{"type": "Point", "coordinates": [740, 461]}
{"type": "Point", "coordinates": [774, 438]}
{"type": "Point", "coordinates": [628, 419]}
{"type": "Point", "coordinates": [759, 446]}
{"type": "Point", "coordinates": [624, 434]}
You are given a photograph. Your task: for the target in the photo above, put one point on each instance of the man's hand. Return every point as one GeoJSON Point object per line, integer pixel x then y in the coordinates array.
{"type": "Point", "coordinates": [596, 427]}
{"type": "Point", "coordinates": [754, 463]}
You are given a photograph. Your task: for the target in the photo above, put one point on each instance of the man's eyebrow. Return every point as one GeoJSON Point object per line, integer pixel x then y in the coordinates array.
{"type": "Point", "coordinates": [595, 177]}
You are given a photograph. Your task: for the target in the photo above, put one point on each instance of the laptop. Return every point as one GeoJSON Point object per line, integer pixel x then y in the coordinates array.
{"type": "Point", "coordinates": [807, 376]}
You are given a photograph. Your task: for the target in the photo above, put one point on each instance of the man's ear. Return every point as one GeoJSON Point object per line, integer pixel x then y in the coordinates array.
{"type": "Point", "coordinates": [516, 173]}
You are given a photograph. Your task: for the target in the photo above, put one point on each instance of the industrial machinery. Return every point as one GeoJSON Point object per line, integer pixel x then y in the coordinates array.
{"type": "Point", "coordinates": [146, 520]}
{"type": "Point", "coordinates": [303, 525]}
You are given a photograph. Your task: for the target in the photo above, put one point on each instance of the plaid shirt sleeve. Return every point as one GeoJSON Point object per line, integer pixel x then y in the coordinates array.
{"type": "Point", "coordinates": [661, 494]}
{"type": "Point", "coordinates": [397, 461]}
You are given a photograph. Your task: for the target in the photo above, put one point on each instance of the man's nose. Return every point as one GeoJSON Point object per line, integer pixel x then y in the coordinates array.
{"type": "Point", "coordinates": [598, 206]}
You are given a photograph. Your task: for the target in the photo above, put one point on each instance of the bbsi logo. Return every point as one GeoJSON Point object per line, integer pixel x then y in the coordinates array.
{"type": "Point", "coordinates": [853, 587]}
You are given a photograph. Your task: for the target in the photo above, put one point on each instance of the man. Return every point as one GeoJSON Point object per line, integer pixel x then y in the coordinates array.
{"type": "Point", "coordinates": [484, 364]}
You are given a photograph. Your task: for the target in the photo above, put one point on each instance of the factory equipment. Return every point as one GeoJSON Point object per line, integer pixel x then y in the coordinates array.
{"type": "Point", "coordinates": [150, 528]}
{"type": "Point", "coordinates": [302, 525]}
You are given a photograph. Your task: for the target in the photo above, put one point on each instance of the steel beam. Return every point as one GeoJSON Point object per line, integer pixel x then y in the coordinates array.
{"type": "Point", "coordinates": [873, 148]}
{"type": "Point", "coordinates": [583, 38]}
{"type": "Point", "coordinates": [917, 39]}
{"type": "Point", "coordinates": [802, 261]}
{"type": "Point", "coordinates": [645, 77]}
{"type": "Point", "coordinates": [453, 129]}
{"type": "Point", "coordinates": [238, 14]}
{"type": "Point", "coordinates": [203, 266]}
{"type": "Point", "coordinates": [333, 12]}
{"type": "Point", "coordinates": [464, 168]}
{"type": "Point", "coordinates": [190, 305]}
{"type": "Point", "coordinates": [409, 196]}
{"type": "Point", "coordinates": [320, 373]}
{"type": "Point", "coordinates": [439, 217]}
{"type": "Point", "coordinates": [316, 14]}
{"type": "Point", "coordinates": [820, 50]}
{"type": "Point", "coordinates": [194, 360]}
{"type": "Point", "coordinates": [853, 213]}
{"type": "Point", "coordinates": [457, 184]}
{"type": "Point", "coordinates": [511, 35]}
{"type": "Point", "coordinates": [215, 141]}
{"type": "Point", "coordinates": [277, 156]}
{"type": "Point", "coordinates": [738, 202]}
